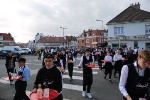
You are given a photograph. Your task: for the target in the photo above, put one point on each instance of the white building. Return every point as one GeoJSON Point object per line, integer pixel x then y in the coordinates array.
{"type": "Point", "coordinates": [38, 36]}
{"type": "Point", "coordinates": [131, 27]}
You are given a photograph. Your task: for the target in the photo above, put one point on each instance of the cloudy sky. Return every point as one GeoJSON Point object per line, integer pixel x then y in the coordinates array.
{"type": "Point", "coordinates": [24, 18]}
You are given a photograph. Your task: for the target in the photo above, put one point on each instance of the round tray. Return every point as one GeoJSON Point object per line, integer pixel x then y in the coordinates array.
{"type": "Point", "coordinates": [105, 60]}
{"type": "Point", "coordinates": [95, 66]}
{"type": "Point", "coordinates": [52, 94]}
{"type": "Point", "coordinates": [7, 78]}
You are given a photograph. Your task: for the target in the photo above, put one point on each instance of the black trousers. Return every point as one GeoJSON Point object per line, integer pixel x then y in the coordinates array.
{"type": "Point", "coordinates": [88, 88]}
{"type": "Point", "coordinates": [108, 72]}
{"type": "Point", "coordinates": [20, 87]}
{"type": "Point", "coordinates": [10, 70]}
{"type": "Point", "coordinates": [70, 69]}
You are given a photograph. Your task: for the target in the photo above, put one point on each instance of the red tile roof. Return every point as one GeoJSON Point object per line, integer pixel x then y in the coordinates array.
{"type": "Point", "coordinates": [93, 32]}
{"type": "Point", "coordinates": [52, 40]}
{"type": "Point", "coordinates": [131, 14]}
{"type": "Point", "coordinates": [6, 36]}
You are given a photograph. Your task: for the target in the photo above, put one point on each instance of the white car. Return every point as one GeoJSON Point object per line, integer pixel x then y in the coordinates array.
{"type": "Point", "coordinates": [26, 50]}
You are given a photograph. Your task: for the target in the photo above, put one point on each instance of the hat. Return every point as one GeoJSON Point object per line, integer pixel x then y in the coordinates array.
{"type": "Point", "coordinates": [22, 60]}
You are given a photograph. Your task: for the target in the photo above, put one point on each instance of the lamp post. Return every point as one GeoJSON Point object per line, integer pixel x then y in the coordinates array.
{"type": "Point", "coordinates": [102, 28]}
{"type": "Point", "coordinates": [63, 33]}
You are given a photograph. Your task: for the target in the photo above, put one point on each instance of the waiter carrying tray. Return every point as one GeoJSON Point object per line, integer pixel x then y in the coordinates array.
{"type": "Point", "coordinates": [87, 73]}
{"type": "Point", "coordinates": [21, 83]}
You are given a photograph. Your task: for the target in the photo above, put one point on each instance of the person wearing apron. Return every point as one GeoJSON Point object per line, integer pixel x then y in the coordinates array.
{"type": "Point", "coordinates": [57, 62]}
{"type": "Point", "coordinates": [49, 76]}
{"type": "Point", "coordinates": [87, 73]}
{"type": "Point", "coordinates": [118, 63]}
{"type": "Point", "coordinates": [70, 64]}
{"type": "Point", "coordinates": [134, 80]}
{"type": "Point", "coordinates": [21, 84]}
{"type": "Point", "coordinates": [108, 66]}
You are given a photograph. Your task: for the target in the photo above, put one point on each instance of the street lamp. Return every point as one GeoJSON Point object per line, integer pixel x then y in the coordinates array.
{"type": "Point", "coordinates": [102, 28]}
{"type": "Point", "coordinates": [63, 33]}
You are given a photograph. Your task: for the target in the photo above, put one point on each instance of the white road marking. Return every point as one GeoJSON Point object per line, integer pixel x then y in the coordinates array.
{"type": "Point", "coordinates": [74, 77]}
{"type": "Point", "coordinates": [73, 87]}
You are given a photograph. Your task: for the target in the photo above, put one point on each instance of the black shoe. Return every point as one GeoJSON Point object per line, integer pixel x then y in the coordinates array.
{"type": "Point", "coordinates": [110, 81]}
{"type": "Point", "coordinates": [105, 77]}
{"type": "Point", "coordinates": [115, 77]}
{"type": "Point", "coordinates": [70, 81]}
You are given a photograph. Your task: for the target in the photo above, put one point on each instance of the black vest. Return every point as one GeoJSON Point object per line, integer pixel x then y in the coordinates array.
{"type": "Point", "coordinates": [57, 63]}
{"type": "Point", "coordinates": [137, 86]}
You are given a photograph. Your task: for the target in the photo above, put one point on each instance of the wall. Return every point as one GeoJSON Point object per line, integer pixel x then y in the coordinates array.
{"type": "Point", "coordinates": [130, 29]}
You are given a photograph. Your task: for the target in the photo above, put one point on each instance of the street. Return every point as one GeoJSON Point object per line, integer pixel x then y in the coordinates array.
{"type": "Point", "coordinates": [101, 89]}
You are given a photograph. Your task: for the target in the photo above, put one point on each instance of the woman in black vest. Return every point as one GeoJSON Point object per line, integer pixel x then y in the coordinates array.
{"type": "Point", "coordinates": [134, 80]}
{"type": "Point", "coordinates": [70, 60]}
{"type": "Point", "coordinates": [87, 73]}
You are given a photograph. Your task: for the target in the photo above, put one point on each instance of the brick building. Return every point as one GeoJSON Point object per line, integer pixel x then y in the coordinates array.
{"type": "Point", "coordinates": [6, 39]}
{"type": "Point", "coordinates": [91, 38]}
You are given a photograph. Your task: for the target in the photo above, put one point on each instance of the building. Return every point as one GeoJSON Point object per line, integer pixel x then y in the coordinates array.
{"type": "Point", "coordinates": [91, 38]}
{"type": "Point", "coordinates": [51, 42]}
{"type": "Point", "coordinates": [6, 39]}
{"type": "Point", "coordinates": [38, 36]}
{"type": "Point", "coordinates": [131, 27]}
{"type": "Point", "coordinates": [71, 42]}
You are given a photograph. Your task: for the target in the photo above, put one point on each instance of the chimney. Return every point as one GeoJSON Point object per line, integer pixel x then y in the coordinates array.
{"type": "Point", "coordinates": [137, 5]}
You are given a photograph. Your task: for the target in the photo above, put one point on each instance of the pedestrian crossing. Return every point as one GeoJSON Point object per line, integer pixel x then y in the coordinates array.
{"type": "Point", "coordinates": [75, 87]}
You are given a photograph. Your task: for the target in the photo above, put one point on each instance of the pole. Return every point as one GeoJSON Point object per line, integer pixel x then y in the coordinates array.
{"type": "Point", "coordinates": [63, 38]}
{"type": "Point", "coordinates": [119, 42]}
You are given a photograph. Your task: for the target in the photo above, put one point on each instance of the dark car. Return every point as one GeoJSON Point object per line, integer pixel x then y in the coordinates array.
{"type": "Point", "coordinates": [4, 53]}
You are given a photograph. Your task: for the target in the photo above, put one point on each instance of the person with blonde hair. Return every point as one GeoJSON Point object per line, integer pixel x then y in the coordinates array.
{"type": "Point", "coordinates": [134, 80]}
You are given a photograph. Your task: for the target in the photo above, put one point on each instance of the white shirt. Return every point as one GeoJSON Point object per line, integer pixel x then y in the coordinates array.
{"type": "Point", "coordinates": [117, 57]}
{"type": "Point", "coordinates": [87, 57]}
{"type": "Point", "coordinates": [124, 76]}
{"type": "Point", "coordinates": [61, 62]}
{"type": "Point", "coordinates": [109, 58]}
{"type": "Point", "coordinates": [72, 57]}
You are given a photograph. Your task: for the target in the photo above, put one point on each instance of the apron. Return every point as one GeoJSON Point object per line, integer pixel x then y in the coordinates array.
{"type": "Point", "coordinates": [87, 72]}
{"type": "Point", "coordinates": [139, 89]}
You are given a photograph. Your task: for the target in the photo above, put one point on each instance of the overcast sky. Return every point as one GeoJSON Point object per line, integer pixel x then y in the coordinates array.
{"type": "Point", "coordinates": [24, 18]}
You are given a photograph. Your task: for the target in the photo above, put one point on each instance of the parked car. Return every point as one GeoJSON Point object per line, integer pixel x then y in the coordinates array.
{"type": "Point", "coordinates": [26, 50]}
{"type": "Point", "coordinates": [15, 49]}
{"type": "Point", "coordinates": [4, 53]}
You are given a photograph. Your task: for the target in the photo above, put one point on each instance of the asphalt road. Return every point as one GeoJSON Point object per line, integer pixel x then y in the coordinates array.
{"type": "Point", "coordinates": [101, 89]}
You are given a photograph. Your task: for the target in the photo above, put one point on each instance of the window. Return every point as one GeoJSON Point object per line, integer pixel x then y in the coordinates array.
{"type": "Point", "coordinates": [147, 28]}
{"type": "Point", "coordinates": [82, 41]}
{"type": "Point", "coordinates": [87, 40]}
{"type": "Point", "coordinates": [93, 40]}
{"type": "Point", "coordinates": [1, 43]}
{"type": "Point", "coordinates": [118, 30]}
{"type": "Point", "coordinates": [1, 38]}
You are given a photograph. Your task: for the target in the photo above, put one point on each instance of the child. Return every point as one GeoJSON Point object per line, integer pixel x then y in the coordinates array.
{"type": "Point", "coordinates": [21, 83]}
{"type": "Point", "coordinates": [87, 73]}
{"type": "Point", "coordinates": [118, 63]}
{"type": "Point", "coordinates": [134, 80]}
{"type": "Point", "coordinates": [108, 66]}
{"type": "Point", "coordinates": [70, 59]}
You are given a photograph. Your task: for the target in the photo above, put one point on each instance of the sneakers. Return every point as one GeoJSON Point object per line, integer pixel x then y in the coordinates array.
{"type": "Point", "coordinates": [70, 81]}
{"type": "Point", "coordinates": [89, 95]}
{"type": "Point", "coordinates": [83, 93]}
{"type": "Point", "coordinates": [11, 83]}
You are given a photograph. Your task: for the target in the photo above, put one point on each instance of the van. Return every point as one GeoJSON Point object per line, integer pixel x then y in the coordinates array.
{"type": "Point", "coordinates": [15, 49]}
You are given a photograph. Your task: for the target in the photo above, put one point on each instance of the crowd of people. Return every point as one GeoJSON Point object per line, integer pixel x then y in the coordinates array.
{"type": "Point", "coordinates": [132, 66]}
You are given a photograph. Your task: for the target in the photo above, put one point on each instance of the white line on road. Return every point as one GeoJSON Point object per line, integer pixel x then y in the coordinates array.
{"type": "Point", "coordinates": [74, 77]}
{"type": "Point", "coordinates": [73, 87]}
